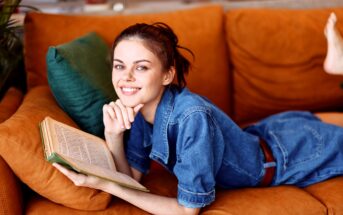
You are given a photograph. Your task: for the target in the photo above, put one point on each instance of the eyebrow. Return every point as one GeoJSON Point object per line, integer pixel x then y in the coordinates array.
{"type": "Point", "coordinates": [120, 61]}
{"type": "Point", "coordinates": [135, 62]}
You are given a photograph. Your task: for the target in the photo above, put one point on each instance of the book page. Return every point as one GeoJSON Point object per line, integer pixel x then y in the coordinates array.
{"type": "Point", "coordinates": [81, 146]}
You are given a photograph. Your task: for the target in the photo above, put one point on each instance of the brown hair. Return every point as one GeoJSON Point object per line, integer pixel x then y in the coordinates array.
{"type": "Point", "coordinates": [163, 42]}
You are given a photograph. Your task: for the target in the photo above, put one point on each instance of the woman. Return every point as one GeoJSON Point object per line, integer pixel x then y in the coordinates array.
{"type": "Point", "coordinates": [191, 137]}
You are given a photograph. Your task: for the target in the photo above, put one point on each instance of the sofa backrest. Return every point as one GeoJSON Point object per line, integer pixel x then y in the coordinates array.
{"type": "Point", "coordinates": [276, 58]}
{"type": "Point", "coordinates": [199, 29]}
{"type": "Point", "coordinates": [273, 60]}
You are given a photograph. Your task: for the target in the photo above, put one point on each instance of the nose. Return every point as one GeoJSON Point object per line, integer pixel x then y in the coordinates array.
{"type": "Point", "coordinates": [128, 75]}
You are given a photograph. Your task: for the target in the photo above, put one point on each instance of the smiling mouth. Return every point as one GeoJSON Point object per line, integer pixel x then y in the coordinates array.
{"type": "Point", "coordinates": [129, 90]}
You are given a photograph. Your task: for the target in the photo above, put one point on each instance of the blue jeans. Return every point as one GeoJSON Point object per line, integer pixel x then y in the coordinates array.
{"type": "Point", "coordinates": [306, 150]}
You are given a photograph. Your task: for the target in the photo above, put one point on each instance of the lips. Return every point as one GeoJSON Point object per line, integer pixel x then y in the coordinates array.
{"type": "Point", "coordinates": [129, 90]}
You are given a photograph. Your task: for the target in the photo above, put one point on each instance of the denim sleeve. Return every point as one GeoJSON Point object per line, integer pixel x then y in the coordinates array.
{"type": "Point", "coordinates": [195, 163]}
{"type": "Point", "coordinates": [136, 154]}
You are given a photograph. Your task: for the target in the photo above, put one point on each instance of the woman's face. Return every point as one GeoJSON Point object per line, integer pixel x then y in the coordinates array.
{"type": "Point", "coordinates": [137, 74]}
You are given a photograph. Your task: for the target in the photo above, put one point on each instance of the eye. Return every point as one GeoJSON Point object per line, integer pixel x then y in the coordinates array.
{"type": "Point", "coordinates": [142, 68]}
{"type": "Point", "coordinates": [118, 67]}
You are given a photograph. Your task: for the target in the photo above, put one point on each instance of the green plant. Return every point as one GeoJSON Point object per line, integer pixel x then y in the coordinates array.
{"type": "Point", "coordinates": [11, 46]}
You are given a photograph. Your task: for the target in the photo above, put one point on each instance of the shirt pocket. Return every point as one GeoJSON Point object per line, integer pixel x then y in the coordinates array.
{"type": "Point", "coordinates": [298, 145]}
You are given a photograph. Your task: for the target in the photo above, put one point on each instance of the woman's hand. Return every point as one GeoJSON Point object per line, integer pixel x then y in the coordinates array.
{"type": "Point", "coordinates": [81, 179]}
{"type": "Point", "coordinates": [117, 118]}
{"type": "Point", "coordinates": [143, 200]}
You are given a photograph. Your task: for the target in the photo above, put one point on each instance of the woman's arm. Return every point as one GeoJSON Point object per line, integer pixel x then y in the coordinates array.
{"type": "Point", "coordinates": [117, 148]}
{"type": "Point", "coordinates": [149, 202]}
{"type": "Point", "coordinates": [117, 118]}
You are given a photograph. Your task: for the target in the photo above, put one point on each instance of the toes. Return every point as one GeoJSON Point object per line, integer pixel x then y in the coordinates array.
{"type": "Point", "coordinates": [333, 17]}
{"type": "Point", "coordinates": [331, 20]}
{"type": "Point", "coordinates": [330, 29]}
{"type": "Point", "coordinates": [330, 23]}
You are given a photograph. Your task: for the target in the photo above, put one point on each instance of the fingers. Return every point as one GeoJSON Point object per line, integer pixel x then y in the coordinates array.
{"type": "Point", "coordinates": [132, 112]}
{"type": "Point", "coordinates": [118, 114]}
{"type": "Point", "coordinates": [125, 114]}
{"type": "Point", "coordinates": [61, 168]}
{"type": "Point", "coordinates": [108, 111]}
{"type": "Point", "coordinates": [77, 179]}
{"type": "Point", "coordinates": [122, 114]}
{"type": "Point", "coordinates": [138, 108]}
{"type": "Point", "coordinates": [114, 113]}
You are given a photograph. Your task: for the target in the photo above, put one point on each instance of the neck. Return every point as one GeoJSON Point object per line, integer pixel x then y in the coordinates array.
{"type": "Point", "coordinates": [149, 110]}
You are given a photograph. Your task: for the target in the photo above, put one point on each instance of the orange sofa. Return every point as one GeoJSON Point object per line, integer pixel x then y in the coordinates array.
{"type": "Point", "coordinates": [10, 194]}
{"type": "Point", "coordinates": [250, 62]}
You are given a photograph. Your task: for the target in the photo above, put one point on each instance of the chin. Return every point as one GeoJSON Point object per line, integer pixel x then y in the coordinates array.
{"type": "Point", "coordinates": [130, 104]}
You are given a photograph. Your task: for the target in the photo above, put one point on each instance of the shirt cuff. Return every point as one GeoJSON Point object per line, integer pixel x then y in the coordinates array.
{"type": "Point", "coordinates": [193, 199]}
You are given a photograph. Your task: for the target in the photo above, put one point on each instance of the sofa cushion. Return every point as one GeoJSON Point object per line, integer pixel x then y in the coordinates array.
{"type": "Point", "coordinates": [11, 199]}
{"type": "Point", "coordinates": [330, 193]}
{"type": "Point", "coordinates": [37, 205]}
{"type": "Point", "coordinates": [79, 75]}
{"type": "Point", "coordinates": [284, 200]}
{"type": "Point", "coordinates": [21, 148]}
{"type": "Point", "coordinates": [199, 29]}
{"type": "Point", "coordinates": [10, 103]}
{"type": "Point", "coordinates": [277, 62]}
{"type": "Point", "coordinates": [281, 200]}
{"type": "Point", "coordinates": [158, 181]}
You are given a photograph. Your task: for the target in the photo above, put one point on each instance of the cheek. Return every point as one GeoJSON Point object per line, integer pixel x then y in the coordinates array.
{"type": "Point", "coordinates": [154, 79]}
{"type": "Point", "coordinates": [114, 78]}
{"type": "Point", "coordinates": [155, 85]}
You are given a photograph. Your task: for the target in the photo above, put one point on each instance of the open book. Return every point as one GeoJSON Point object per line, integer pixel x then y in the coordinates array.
{"type": "Point", "coordinates": [82, 152]}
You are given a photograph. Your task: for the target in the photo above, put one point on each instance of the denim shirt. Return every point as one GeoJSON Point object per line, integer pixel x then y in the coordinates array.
{"type": "Point", "coordinates": [197, 142]}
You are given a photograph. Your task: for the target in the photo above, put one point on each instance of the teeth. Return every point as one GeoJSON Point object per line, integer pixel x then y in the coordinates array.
{"type": "Point", "coordinates": [129, 89]}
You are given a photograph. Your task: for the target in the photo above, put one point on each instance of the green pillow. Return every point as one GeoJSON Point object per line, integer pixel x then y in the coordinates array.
{"type": "Point", "coordinates": [79, 75]}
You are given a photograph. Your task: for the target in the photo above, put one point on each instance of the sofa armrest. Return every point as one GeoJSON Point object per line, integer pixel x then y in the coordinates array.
{"type": "Point", "coordinates": [11, 200]}
{"type": "Point", "coordinates": [10, 103]}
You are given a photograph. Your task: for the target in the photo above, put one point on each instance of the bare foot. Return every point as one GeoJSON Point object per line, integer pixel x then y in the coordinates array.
{"type": "Point", "coordinates": [333, 63]}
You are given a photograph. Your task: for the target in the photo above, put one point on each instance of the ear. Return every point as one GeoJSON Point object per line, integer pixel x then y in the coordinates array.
{"type": "Point", "coordinates": [169, 76]}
